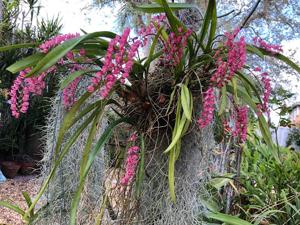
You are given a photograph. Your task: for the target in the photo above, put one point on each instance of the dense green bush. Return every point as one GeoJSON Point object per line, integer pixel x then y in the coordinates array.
{"type": "Point", "coordinates": [267, 192]}
{"type": "Point", "coordinates": [270, 187]}
{"type": "Point", "coordinates": [13, 133]}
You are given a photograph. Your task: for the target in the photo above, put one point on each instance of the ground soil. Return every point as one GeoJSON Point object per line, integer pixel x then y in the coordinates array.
{"type": "Point", "coordinates": [11, 190]}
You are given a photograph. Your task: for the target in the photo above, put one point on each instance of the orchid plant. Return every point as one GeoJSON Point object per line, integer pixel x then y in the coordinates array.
{"type": "Point", "coordinates": [196, 64]}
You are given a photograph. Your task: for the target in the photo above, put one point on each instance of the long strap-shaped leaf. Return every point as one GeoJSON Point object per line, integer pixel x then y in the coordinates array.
{"type": "Point", "coordinates": [16, 46]}
{"type": "Point", "coordinates": [99, 145]}
{"type": "Point", "coordinates": [173, 20]}
{"type": "Point", "coordinates": [261, 52]}
{"type": "Point", "coordinates": [208, 20]}
{"type": "Point", "coordinates": [69, 120]}
{"type": "Point", "coordinates": [156, 8]}
{"type": "Point", "coordinates": [228, 219]}
{"type": "Point", "coordinates": [26, 62]}
{"type": "Point", "coordinates": [71, 77]}
{"type": "Point", "coordinates": [178, 133]}
{"type": "Point", "coordinates": [186, 99]}
{"type": "Point", "coordinates": [61, 50]}
{"type": "Point", "coordinates": [12, 207]}
{"type": "Point", "coordinates": [248, 80]}
{"type": "Point", "coordinates": [90, 138]}
{"type": "Point", "coordinates": [152, 48]}
{"type": "Point", "coordinates": [213, 24]}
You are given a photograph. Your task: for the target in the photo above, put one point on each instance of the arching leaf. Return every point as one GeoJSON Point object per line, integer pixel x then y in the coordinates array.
{"type": "Point", "coordinates": [99, 145]}
{"type": "Point", "coordinates": [26, 62]}
{"type": "Point", "coordinates": [156, 8]}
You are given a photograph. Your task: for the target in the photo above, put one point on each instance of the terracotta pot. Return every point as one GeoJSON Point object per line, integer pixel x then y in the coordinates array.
{"type": "Point", "coordinates": [27, 168]}
{"type": "Point", "coordinates": [10, 169]}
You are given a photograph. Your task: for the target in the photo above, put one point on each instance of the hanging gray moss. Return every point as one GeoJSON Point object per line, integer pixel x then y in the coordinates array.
{"type": "Point", "coordinates": [58, 196]}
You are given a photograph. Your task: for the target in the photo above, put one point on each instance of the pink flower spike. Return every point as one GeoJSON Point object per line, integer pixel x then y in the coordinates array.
{"type": "Point", "coordinates": [131, 165]}
{"type": "Point", "coordinates": [208, 108]}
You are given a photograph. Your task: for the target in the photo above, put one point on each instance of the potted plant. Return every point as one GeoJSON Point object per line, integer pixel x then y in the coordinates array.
{"type": "Point", "coordinates": [10, 168]}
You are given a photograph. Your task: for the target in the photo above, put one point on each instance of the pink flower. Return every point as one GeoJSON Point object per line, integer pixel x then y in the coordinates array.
{"type": "Point", "coordinates": [69, 93]}
{"type": "Point", "coordinates": [155, 23]}
{"type": "Point", "coordinates": [236, 59]}
{"type": "Point", "coordinates": [208, 108]}
{"type": "Point", "coordinates": [241, 120]}
{"type": "Point", "coordinates": [267, 91]}
{"type": "Point", "coordinates": [47, 45]}
{"type": "Point", "coordinates": [131, 165]}
{"type": "Point", "coordinates": [174, 46]}
{"type": "Point", "coordinates": [118, 63]}
{"type": "Point", "coordinates": [23, 87]}
{"type": "Point", "coordinates": [268, 47]}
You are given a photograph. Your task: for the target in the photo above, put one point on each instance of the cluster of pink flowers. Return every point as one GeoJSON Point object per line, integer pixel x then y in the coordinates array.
{"type": "Point", "coordinates": [155, 23]}
{"type": "Point", "coordinates": [119, 60]}
{"type": "Point", "coordinates": [174, 46]}
{"type": "Point", "coordinates": [208, 108]}
{"type": "Point", "coordinates": [266, 81]}
{"type": "Point", "coordinates": [47, 45]}
{"type": "Point", "coordinates": [236, 59]}
{"type": "Point", "coordinates": [241, 120]}
{"type": "Point", "coordinates": [69, 93]}
{"type": "Point", "coordinates": [22, 88]}
{"type": "Point", "coordinates": [131, 165]}
{"type": "Point", "coordinates": [269, 47]}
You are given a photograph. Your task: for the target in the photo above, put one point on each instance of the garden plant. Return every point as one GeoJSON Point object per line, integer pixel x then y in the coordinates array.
{"type": "Point", "coordinates": [164, 78]}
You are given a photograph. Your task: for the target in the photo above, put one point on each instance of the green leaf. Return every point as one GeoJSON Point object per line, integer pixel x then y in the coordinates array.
{"type": "Point", "coordinates": [73, 76]}
{"type": "Point", "coordinates": [250, 82]}
{"type": "Point", "coordinates": [265, 131]}
{"type": "Point", "coordinates": [220, 182]}
{"type": "Point", "coordinates": [156, 8]}
{"type": "Point", "coordinates": [91, 136]}
{"type": "Point", "coordinates": [244, 96]}
{"type": "Point", "coordinates": [171, 99]}
{"type": "Point", "coordinates": [26, 62]}
{"type": "Point", "coordinates": [69, 120]}
{"type": "Point", "coordinates": [152, 48]}
{"type": "Point", "coordinates": [213, 24]}
{"type": "Point", "coordinates": [16, 46]}
{"type": "Point", "coordinates": [173, 20]}
{"type": "Point", "coordinates": [61, 50]}
{"type": "Point", "coordinates": [28, 201]}
{"type": "Point", "coordinates": [265, 214]}
{"type": "Point", "coordinates": [228, 219]}
{"type": "Point", "coordinates": [171, 173]}
{"type": "Point", "coordinates": [207, 20]}
{"type": "Point", "coordinates": [27, 198]}
{"type": "Point", "coordinates": [253, 49]}
{"type": "Point", "coordinates": [178, 133]}
{"type": "Point", "coordinates": [223, 100]}
{"type": "Point", "coordinates": [12, 207]}
{"type": "Point", "coordinates": [185, 101]}
{"type": "Point", "coordinates": [235, 88]}
{"type": "Point", "coordinates": [100, 143]}
{"type": "Point", "coordinates": [210, 204]}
